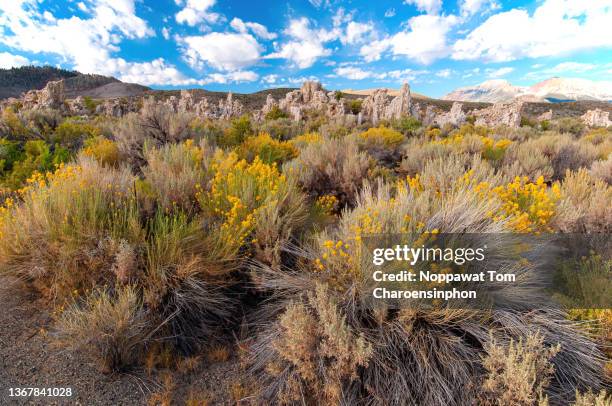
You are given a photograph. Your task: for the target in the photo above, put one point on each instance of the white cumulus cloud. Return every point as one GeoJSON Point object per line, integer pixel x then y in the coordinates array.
{"type": "Point", "coordinates": [8, 60]}
{"type": "Point", "coordinates": [428, 6]}
{"type": "Point", "coordinates": [424, 41]}
{"type": "Point", "coordinates": [556, 27]}
{"type": "Point", "coordinates": [306, 44]}
{"type": "Point", "coordinates": [258, 29]}
{"type": "Point", "coordinates": [196, 12]}
{"type": "Point", "coordinates": [222, 51]}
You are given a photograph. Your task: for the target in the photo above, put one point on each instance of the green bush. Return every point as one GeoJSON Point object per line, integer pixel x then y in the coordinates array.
{"type": "Point", "coordinates": [355, 106]}
{"type": "Point", "coordinates": [71, 134]}
{"type": "Point", "coordinates": [275, 113]}
{"type": "Point", "coordinates": [407, 125]}
{"type": "Point", "coordinates": [241, 128]}
{"type": "Point", "coordinates": [37, 156]}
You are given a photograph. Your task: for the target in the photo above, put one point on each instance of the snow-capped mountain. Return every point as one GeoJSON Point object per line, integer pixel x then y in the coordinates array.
{"type": "Point", "coordinates": [551, 90]}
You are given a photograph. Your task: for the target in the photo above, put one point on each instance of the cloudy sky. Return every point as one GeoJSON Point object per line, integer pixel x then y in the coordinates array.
{"type": "Point", "coordinates": [247, 45]}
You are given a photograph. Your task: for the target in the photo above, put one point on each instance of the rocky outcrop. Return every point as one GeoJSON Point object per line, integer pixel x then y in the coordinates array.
{"type": "Point", "coordinates": [230, 107]}
{"type": "Point", "coordinates": [311, 96]}
{"type": "Point", "coordinates": [596, 118]}
{"type": "Point", "coordinates": [188, 103]}
{"type": "Point", "coordinates": [118, 107]}
{"type": "Point", "coordinates": [508, 114]}
{"type": "Point", "coordinates": [455, 117]}
{"type": "Point", "coordinates": [52, 96]}
{"type": "Point", "coordinates": [270, 104]}
{"type": "Point", "coordinates": [546, 116]}
{"type": "Point", "coordinates": [377, 106]}
{"type": "Point", "coordinates": [77, 106]}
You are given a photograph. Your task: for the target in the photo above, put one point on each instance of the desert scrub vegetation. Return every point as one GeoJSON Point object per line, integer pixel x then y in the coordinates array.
{"type": "Point", "coordinates": [158, 235]}
{"type": "Point", "coordinates": [331, 167]}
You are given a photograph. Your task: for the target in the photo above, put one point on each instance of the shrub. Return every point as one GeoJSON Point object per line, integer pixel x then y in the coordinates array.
{"type": "Point", "coordinates": [237, 132]}
{"type": "Point", "coordinates": [332, 167]}
{"type": "Point", "coordinates": [37, 156]}
{"type": "Point", "coordinates": [407, 125]}
{"type": "Point", "coordinates": [393, 355]}
{"type": "Point", "coordinates": [64, 230]}
{"type": "Point", "coordinates": [281, 129]}
{"type": "Point", "coordinates": [603, 170]}
{"type": "Point", "coordinates": [102, 150]}
{"type": "Point", "coordinates": [569, 125]}
{"type": "Point", "coordinates": [529, 207]}
{"type": "Point", "coordinates": [9, 154]}
{"type": "Point", "coordinates": [267, 149]}
{"type": "Point", "coordinates": [584, 204]}
{"type": "Point", "coordinates": [111, 328]}
{"type": "Point", "coordinates": [518, 374]}
{"type": "Point", "coordinates": [12, 127]}
{"type": "Point", "coordinates": [592, 399]}
{"type": "Point", "coordinates": [177, 174]}
{"type": "Point", "coordinates": [381, 137]}
{"type": "Point", "coordinates": [302, 141]}
{"type": "Point", "coordinates": [155, 125]}
{"type": "Point", "coordinates": [318, 353]}
{"type": "Point", "coordinates": [275, 113]}
{"type": "Point", "coordinates": [254, 203]}
{"type": "Point", "coordinates": [71, 134]}
{"type": "Point", "coordinates": [355, 106]}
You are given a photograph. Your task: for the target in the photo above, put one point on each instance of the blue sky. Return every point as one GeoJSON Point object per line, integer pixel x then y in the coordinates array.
{"type": "Point", "coordinates": [248, 45]}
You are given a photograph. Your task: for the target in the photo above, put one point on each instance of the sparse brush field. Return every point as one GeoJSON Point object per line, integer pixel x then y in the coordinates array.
{"type": "Point", "coordinates": [163, 244]}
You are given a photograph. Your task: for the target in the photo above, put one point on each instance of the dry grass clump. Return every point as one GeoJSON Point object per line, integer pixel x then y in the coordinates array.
{"type": "Point", "coordinates": [176, 173]}
{"type": "Point", "coordinates": [603, 170]}
{"type": "Point", "coordinates": [318, 353]}
{"type": "Point", "coordinates": [593, 399]}
{"type": "Point", "coordinates": [584, 204]}
{"type": "Point", "coordinates": [562, 152]}
{"type": "Point", "coordinates": [156, 124]}
{"type": "Point", "coordinates": [332, 167]}
{"type": "Point", "coordinates": [110, 327]}
{"type": "Point", "coordinates": [418, 151]}
{"type": "Point", "coordinates": [519, 373]}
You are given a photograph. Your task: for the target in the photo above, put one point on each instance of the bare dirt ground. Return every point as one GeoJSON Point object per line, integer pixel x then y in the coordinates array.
{"type": "Point", "coordinates": [28, 358]}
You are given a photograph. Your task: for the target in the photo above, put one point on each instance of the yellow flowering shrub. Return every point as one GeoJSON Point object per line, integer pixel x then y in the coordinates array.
{"type": "Point", "coordinates": [267, 149]}
{"type": "Point", "coordinates": [327, 204]}
{"type": "Point", "coordinates": [62, 227]}
{"type": "Point", "coordinates": [494, 150]}
{"type": "Point", "coordinates": [239, 190]}
{"type": "Point", "coordinates": [302, 141]}
{"type": "Point", "coordinates": [528, 206]}
{"type": "Point", "coordinates": [102, 150]}
{"type": "Point", "coordinates": [381, 137]}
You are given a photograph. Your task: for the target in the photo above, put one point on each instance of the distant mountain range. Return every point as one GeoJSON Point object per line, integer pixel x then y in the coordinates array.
{"type": "Point", "coordinates": [15, 81]}
{"type": "Point", "coordinates": [550, 90]}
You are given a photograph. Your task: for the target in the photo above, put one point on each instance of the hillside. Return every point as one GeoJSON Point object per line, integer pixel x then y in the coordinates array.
{"type": "Point", "coordinates": [15, 81]}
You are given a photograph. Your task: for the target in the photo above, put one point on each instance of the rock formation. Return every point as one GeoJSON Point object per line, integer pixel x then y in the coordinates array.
{"type": "Point", "coordinates": [596, 118]}
{"type": "Point", "coordinates": [455, 117]}
{"type": "Point", "coordinates": [377, 107]}
{"type": "Point", "coordinates": [50, 97]}
{"type": "Point", "coordinates": [118, 107]}
{"type": "Point", "coordinates": [508, 114]}
{"type": "Point", "coordinates": [77, 106]}
{"type": "Point", "coordinates": [311, 96]}
{"type": "Point", "coordinates": [546, 116]}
